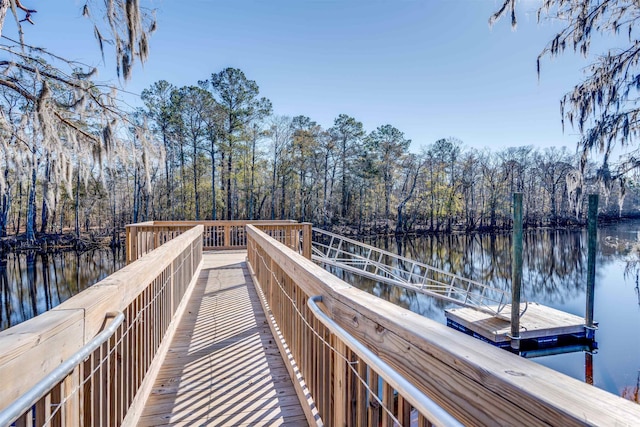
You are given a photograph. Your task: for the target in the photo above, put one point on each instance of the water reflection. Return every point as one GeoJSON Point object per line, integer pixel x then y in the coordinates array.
{"type": "Point", "coordinates": [34, 282]}
{"type": "Point", "coordinates": [632, 393]}
{"type": "Point", "coordinates": [554, 261]}
{"type": "Point", "coordinates": [554, 274]}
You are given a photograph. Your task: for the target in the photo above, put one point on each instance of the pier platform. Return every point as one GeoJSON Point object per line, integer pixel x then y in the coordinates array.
{"type": "Point", "coordinates": [223, 367]}
{"type": "Point", "coordinates": [542, 325]}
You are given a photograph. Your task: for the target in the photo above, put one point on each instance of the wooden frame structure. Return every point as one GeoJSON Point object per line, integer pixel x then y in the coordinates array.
{"type": "Point", "coordinates": [144, 237]}
{"type": "Point", "coordinates": [475, 382]}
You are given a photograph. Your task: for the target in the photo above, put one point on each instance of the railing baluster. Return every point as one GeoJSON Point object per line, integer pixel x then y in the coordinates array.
{"type": "Point", "coordinates": [339, 381]}
{"type": "Point", "coordinates": [387, 402]}
{"type": "Point", "coordinates": [361, 393]}
{"type": "Point", "coordinates": [373, 407]}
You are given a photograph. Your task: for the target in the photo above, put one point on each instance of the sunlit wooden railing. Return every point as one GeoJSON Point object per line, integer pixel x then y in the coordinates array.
{"type": "Point", "coordinates": [110, 386]}
{"type": "Point", "coordinates": [144, 237]}
{"type": "Point", "coordinates": [475, 382]}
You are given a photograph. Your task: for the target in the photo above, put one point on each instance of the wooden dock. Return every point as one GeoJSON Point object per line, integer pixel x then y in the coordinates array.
{"type": "Point", "coordinates": [223, 366]}
{"type": "Point", "coordinates": [539, 322]}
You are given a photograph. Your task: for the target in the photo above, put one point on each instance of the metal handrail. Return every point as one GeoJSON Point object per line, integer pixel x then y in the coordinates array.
{"type": "Point", "coordinates": [492, 304]}
{"type": "Point", "coordinates": [425, 405]}
{"type": "Point", "coordinates": [401, 258]}
{"type": "Point", "coordinates": [38, 391]}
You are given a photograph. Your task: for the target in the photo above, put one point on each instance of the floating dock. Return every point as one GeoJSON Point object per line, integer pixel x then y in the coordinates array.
{"type": "Point", "coordinates": [540, 326]}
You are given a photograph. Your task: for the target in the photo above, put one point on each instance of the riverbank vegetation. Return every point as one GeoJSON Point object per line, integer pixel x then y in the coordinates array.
{"type": "Point", "coordinates": [216, 150]}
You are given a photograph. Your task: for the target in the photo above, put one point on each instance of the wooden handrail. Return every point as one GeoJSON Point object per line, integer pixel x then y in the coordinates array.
{"type": "Point", "coordinates": [477, 383]}
{"type": "Point", "coordinates": [46, 384]}
{"type": "Point", "coordinates": [111, 386]}
{"type": "Point", "coordinates": [404, 387]}
{"type": "Point", "coordinates": [144, 237]}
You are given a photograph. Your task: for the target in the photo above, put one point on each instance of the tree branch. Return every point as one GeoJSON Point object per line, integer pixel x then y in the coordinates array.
{"type": "Point", "coordinates": [75, 127]}
{"type": "Point", "coordinates": [18, 89]}
{"type": "Point", "coordinates": [27, 11]}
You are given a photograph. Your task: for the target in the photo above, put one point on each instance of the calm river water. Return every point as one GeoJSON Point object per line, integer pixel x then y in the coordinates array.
{"type": "Point", "coordinates": [555, 274]}
{"type": "Point", "coordinates": [32, 283]}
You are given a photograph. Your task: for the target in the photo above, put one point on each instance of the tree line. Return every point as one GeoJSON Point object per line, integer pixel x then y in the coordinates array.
{"type": "Point", "coordinates": [71, 158]}
{"type": "Point", "coordinates": [216, 150]}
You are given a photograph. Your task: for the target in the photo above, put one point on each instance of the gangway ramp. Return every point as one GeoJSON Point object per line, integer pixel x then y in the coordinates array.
{"type": "Point", "coordinates": [485, 311]}
{"type": "Point", "coordinates": [386, 267]}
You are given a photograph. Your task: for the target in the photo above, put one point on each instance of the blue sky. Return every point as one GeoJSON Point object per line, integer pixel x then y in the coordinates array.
{"type": "Point", "coordinates": [433, 69]}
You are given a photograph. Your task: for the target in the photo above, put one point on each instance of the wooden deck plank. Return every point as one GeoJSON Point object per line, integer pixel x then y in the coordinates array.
{"type": "Point", "coordinates": [223, 366]}
{"type": "Point", "coordinates": [537, 322]}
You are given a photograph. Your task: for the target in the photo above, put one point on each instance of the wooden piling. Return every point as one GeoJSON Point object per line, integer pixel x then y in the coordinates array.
{"type": "Point", "coordinates": [516, 271]}
{"type": "Point", "coordinates": [588, 368]}
{"type": "Point", "coordinates": [592, 234]}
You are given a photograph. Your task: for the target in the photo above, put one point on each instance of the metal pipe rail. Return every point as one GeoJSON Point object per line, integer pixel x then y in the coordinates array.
{"type": "Point", "coordinates": [377, 264]}
{"type": "Point", "coordinates": [38, 391]}
{"type": "Point", "coordinates": [421, 402]}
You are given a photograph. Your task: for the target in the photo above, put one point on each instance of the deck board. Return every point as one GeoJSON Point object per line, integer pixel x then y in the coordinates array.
{"type": "Point", "coordinates": [223, 366]}
{"type": "Point", "coordinates": [538, 321]}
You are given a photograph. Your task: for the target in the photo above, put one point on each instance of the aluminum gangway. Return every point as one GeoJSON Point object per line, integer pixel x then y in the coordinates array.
{"type": "Point", "coordinates": [386, 267]}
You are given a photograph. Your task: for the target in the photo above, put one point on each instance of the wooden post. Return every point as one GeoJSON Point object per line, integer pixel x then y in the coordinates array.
{"type": "Point", "coordinates": [131, 243]}
{"type": "Point", "coordinates": [306, 239]}
{"type": "Point", "coordinates": [592, 234]}
{"type": "Point", "coordinates": [516, 271]}
{"type": "Point", "coordinates": [227, 235]}
{"type": "Point", "coordinates": [588, 367]}
{"type": "Point", "coordinates": [156, 237]}
{"type": "Point", "coordinates": [127, 243]}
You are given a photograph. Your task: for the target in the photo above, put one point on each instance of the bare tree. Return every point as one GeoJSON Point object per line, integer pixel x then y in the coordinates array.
{"type": "Point", "coordinates": [604, 107]}
{"type": "Point", "coordinates": [552, 166]}
{"type": "Point", "coordinates": [412, 166]}
{"type": "Point", "coordinates": [62, 107]}
{"type": "Point", "coordinates": [280, 134]}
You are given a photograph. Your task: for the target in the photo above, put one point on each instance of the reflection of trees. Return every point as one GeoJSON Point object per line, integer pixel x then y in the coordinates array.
{"type": "Point", "coordinates": [554, 262]}
{"type": "Point", "coordinates": [555, 265]}
{"type": "Point", "coordinates": [5, 293]}
{"type": "Point", "coordinates": [46, 280]}
{"type": "Point", "coordinates": [632, 393]}
{"type": "Point", "coordinates": [31, 283]}
{"type": "Point", "coordinates": [632, 269]}
{"type": "Point", "coordinates": [623, 241]}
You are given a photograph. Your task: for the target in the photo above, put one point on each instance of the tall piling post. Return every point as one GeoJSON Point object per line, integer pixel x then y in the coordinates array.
{"type": "Point", "coordinates": [592, 234]}
{"type": "Point", "coordinates": [516, 271]}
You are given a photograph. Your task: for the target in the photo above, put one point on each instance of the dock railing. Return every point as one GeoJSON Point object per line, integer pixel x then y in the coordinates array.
{"type": "Point", "coordinates": [110, 385]}
{"type": "Point", "coordinates": [475, 383]}
{"type": "Point", "coordinates": [478, 384]}
{"type": "Point", "coordinates": [144, 237]}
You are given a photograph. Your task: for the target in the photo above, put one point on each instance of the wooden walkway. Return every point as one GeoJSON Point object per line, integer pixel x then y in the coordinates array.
{"type": "Point", "coordinates": [223, 367]}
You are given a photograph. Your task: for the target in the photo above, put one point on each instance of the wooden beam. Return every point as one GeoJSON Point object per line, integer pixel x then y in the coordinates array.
{"type": "Point", "coordinates": [32, 349]}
